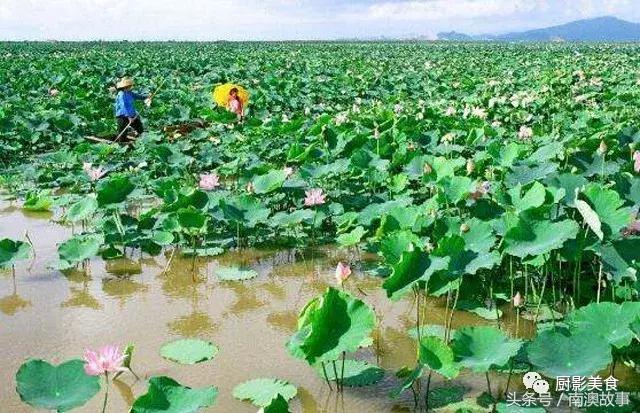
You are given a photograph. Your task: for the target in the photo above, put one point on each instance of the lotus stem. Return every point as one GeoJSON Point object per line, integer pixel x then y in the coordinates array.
{"type": "Point", "coordinates": [506, 390]}
{"type": "Point", "coordinates": [599, 282]}
{"type": "Point", "coordinates": [335, 374]}
{"type": "Point", "coordinates": [344, 353]}
{"type": "Point", "coordinates": [166, 268]}
{"type": "Point", "coordinates": [33, 248]}
{"type": "Point", "coordinates": [426, 397]}
{"type": "Point", "coordinates": [324, 372]}
{"type": "Point", "coordinates": [455, 302]}
{"type": "Point", "coordinates": [486, 374]}
{"type": "Point", "coordinates": [106, 392]}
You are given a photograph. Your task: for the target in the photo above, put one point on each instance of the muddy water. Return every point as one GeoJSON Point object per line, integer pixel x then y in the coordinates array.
{"type": "Point", "coordinates": [54, 316]}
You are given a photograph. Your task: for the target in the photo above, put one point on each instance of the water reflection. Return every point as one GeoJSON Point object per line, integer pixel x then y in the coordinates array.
{"type": "Point", "coordinates": [81, 297]}
{"type": "Point", "coordinates": [13, 303]}
{"type": "Point", "coordinates": [196, 324]}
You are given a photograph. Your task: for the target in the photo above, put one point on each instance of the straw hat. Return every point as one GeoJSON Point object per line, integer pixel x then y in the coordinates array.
{"type": "Point", "coordinates": [124, 82]}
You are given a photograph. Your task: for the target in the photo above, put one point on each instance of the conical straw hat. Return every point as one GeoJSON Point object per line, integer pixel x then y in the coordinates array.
{"type": "Point", "coordinates": [124, 82]}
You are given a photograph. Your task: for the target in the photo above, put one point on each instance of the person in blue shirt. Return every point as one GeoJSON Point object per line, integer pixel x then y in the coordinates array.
{"type": "Point", "coordinates": [125, 109]}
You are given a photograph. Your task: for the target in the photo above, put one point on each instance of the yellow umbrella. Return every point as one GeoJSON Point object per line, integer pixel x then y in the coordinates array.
{"type": "Point", "coordinates": [221, 94]}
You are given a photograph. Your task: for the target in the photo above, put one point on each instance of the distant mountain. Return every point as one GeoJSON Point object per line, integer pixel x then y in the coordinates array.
{"type": "Point", "coordinates": [608, 28]}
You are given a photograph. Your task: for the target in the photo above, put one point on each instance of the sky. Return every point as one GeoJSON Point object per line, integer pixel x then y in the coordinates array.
{"type": "Point", "coordinates": [288, 19]}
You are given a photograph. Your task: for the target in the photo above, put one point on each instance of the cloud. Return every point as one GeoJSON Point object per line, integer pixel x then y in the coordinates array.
{"type": "Point", "coordinates": [286, 19]}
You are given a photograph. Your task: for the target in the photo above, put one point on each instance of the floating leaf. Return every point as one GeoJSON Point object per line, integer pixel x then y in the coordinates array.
{"type": "Point", "coordinates": [62, 388]}
{"type": "Point", "coordinates": [189, 351]}
{"type": "Point", "coordinates": [166, 395]}
{"type": "Point", "coordinates": [261, 392]}
{"type": "Point", "coordinates": [235, 274]}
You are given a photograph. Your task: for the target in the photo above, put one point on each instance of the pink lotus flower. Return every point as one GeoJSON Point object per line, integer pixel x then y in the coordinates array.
{"type": "Point", "coordinates": [250, 187]}
{"type": "Point", "coordinates": [314, 197]}
{"type": "Point", "coordinates": [343, 271]}
{"type": "Point", "coordinates": [450, 111]}
{"type": "Point", "coordinates": [53, 92]}
{"type": "Point", "coordinates": [288, 171]}
{"type": "Point", "coordinates": [518, 300]}
{"type": "Point", "coordinates": [93, 173]}
{"type": "Point", "coordinates": [209, 182]}
{"type": "Point", "coordinates": [636, 161]}
{"type": "Point", "coordinates": [108, 359]}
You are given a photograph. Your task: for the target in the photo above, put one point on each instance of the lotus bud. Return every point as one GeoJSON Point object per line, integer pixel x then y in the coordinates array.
{"type": "Point", "coordinates": [428, 247]}
{"type": "Point", "coordinates": [602, 149]}
{"type": "Point", "coordinates": [470, 166]}
{"type": "Point", "coordinates": [518, 300]}
{"type": "Point", "coordinates": [376, 133]}
{"type": "Point", "coordinates": [53, 92]}
{"type": "Point", "coordinates": [250, 187]}
{"type": "Point", "coordinates": [343, 271]}
{"type": "Point", "coordinates": [427, 169]}
{"type": "Point", "coordinates": [464, 228]}
{"type": "Point", "coordinates": [636, 161]}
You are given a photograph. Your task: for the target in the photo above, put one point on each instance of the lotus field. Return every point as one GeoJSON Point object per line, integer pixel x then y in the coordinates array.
{"type": "Point", "coordinates": [392, 227]}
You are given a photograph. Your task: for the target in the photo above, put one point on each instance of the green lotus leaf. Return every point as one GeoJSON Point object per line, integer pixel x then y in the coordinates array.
{"type": "Point", "coordinates": [531, 238]}
{"type": "Point", "coordinates": [461, 260]}
{"type": "Point", "coordinates": [189, 351]}
{"type": "Point", "coordinates": [438, 356]}
{"type": "Point", "coordinates": [532, 198]}
{"type": "Point", "coordinates": [162, 238]}
{"type": "Point", "coordinates": [269, 182]}
{"type": "Point", "coordinates": [165, 395]}
{"type": "Point", "coordinates": [481, 348]}
{"type": "Point", "coordinates": [61, 388]}
{"type": "Point", "coordinates": [114, 190]}
{"type": "Point", "coordinates": [480, 237]}
{"type": "Point", "coordinates": [620, 258]}
{"type": "Point", "coordinates": [607, 320]}
{"type": "Point", "coordinates": [457, 188]}
{"type": "Point", "coordinates": [277, 405]}
{"type": "Point", "coordinates": [331, 324]}
{"type": "Point", "coordinates": [525, 174]}
{"type": "Point", "coordinates": [261, 392]}
{"type": "Point", "coordinates": [445, 396]}
{"type": "Point", "coordinates": [41, 201]}
{"type": "Point", "coordinates": [414, 266]}
{"type": "Point", "coordinates": [410, 377]}
{"type": "Point", "coordinates": [13, 251]}
{"type": "Point", "coordinates": [609, 207]}
{"type": "Point", "coordinates": [357, 373]}
{"type": "Point", "coordinates": [570, 183]}
{"type": "Point", "coordinates": [192, 220]}
{"type": "Point", "coordinates": [393, 245]}
{"type": "Point", "coordinates": [83, 209]}
{"type": "Point", "coordinates": [78, 249]}
{"type": "Point", "coordinates": [352, 238]}
{"type": "Point", "coordinates": [556, 353]}
{"type": "Point", "coordinates": [235, 274]}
